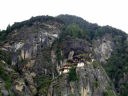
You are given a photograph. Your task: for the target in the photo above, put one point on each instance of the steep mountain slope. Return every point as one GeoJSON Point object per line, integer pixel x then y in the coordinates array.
{"type": "Point", "coordinates": [110, 46]}
{"type": "Point", "coordinates": [62, 56]}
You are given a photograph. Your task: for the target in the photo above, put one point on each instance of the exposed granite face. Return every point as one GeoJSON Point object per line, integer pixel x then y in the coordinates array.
{"type": "Point", "coordinates": [103, 47]}
{"type": "Point", "coordinates": [77, 45]}
{"type": "Point", "coordinates": [26, 45]}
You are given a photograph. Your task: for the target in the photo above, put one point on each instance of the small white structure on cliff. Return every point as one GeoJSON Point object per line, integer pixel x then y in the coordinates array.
{"type": "Point", "coordinates": [65, 69]}
{"type": "Point", "coordinates": [81, 64]}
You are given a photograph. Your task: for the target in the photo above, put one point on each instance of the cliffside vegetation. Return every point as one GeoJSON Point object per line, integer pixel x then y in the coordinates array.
{"type": "Point", "coordinates": [117, 67]}
{"type": "Point", "coordinates": [5, 59]}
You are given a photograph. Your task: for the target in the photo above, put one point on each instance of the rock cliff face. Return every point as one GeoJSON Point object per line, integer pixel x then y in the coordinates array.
{"type": "Point", "coordinates": [28, 46]}
{"type": "Point", "coordinates": [91, 79]}
{"type": "Point", "coordinates": [44, 65]}
{"type": "Point", "coordinates": [103, 47]}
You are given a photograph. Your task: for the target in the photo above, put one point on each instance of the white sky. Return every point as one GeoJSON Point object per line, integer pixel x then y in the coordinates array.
{"type": "Point", "coordinates": [103, 12]}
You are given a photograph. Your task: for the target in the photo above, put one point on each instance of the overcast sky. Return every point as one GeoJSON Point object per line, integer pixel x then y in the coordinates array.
{"type": "Point", "coordinates": [103, 12]}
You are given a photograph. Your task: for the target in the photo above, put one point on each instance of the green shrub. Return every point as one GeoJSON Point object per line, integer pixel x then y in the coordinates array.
{"type": "Point", "coordinates": [0, 93]}
{"type": "Point", "coordinates": [96, 83]}
{"type": "Point", "coordinates": [95, 64]}
{"type": "Point", "coordinates": [5, 77]}
{"type": "Point", "coordinates": [72, 76]}
{"type": "Point", "coordinates": [6, 56]}
{"type": "Point", "coordinates": [58, 54]}
{"type": "Point", "coordinates": [71, 95]}
{"type": "Point", "coordinates": [108, 93]}
{"type": "Point", "coordinates": [43, 83]}
{"type": "Point", "coordinates": [74, 31]}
